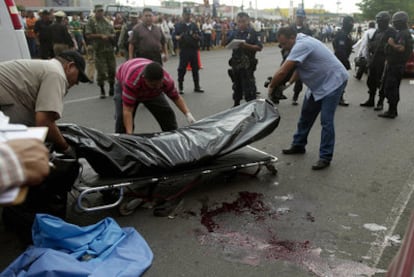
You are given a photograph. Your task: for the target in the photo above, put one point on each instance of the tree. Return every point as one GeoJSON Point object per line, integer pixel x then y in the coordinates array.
{"type": "Point", "coordinates": [370, 8]}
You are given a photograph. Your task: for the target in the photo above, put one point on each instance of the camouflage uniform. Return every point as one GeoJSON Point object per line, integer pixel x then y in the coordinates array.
{"type": "Point", "coordinates": [104, 52]}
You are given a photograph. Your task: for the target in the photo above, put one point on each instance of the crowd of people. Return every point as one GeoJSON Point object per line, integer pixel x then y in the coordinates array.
{"type": "Point", "coordinates": [147, 41]}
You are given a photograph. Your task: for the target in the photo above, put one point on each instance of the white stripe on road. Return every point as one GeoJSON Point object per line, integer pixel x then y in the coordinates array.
{"type": "Point", "coordinates": [80, 100]}
{"type": "Point", "coordinates": [378, 247]}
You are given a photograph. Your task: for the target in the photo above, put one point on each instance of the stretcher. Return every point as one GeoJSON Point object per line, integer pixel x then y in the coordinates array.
{"type": "Point", "coordinates": [132, 167]}
{"type": "Point", "coordinates": [131, 193]}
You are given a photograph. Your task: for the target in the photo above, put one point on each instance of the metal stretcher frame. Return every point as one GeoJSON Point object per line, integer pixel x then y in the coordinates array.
{"type": "Point", "coordinates": [245, 157]}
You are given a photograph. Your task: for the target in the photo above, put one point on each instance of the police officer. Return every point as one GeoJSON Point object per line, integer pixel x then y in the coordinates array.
{"type": "Point", "coordinates": [102, 34]}
{"type": "Point", "coordinates": [397, 51]}
{"type": "Point", "coordinates": [243, 62]}
{"type": "Point", "coordinates": [300, 27]}
{"type": "Point", "coordinates": [376, 58]}
{"type": "Point", "coordinates": [188, 36]}
{"type": "Point", "coordinates": [342, 45]}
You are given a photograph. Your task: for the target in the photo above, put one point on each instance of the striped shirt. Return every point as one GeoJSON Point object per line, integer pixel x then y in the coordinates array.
{"type": "Point", "coordinates": [134, 88]}
{"type": "Point", "coordinates": [11, 172]}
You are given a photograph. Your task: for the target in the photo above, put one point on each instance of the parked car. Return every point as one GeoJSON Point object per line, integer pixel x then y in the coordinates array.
{"type": "Point", "coordinates": [13, 44]}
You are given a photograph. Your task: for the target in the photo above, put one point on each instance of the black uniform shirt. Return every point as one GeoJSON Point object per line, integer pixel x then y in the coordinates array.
{"type": "Point", "coordinates": [402, 37]}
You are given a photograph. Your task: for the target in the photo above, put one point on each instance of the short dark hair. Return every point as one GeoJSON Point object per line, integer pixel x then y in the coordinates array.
{"type": "Point", "coordinates": [371, 24]}
{"type": "Point", "coordinates": [243, 14]}
{"type": "Point", "coordinates": [153, 72]}
{"type": "Point", "coordinates": [147, 10]}
{"type": "Point", "coordinates": [288, 32]}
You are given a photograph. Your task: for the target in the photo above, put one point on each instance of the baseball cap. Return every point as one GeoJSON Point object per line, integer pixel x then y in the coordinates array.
{"type": "Point", "coordinates": [73, 56]}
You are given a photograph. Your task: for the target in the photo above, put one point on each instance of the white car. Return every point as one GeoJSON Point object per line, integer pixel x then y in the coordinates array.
{"type": "Point", "coordinates": [13, 44]}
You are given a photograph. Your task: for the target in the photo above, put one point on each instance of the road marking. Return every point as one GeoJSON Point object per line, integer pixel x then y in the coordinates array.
{"type": "Point", "coordinates": [411, 82]}
{"type": "Point", "coordinates": [80, 100]}
{"type": "Point", "coordinates": [392, 220]}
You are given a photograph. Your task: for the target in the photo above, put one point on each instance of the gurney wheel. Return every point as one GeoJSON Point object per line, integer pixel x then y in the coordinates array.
{"type": "Point", "coordinates": [272, 169]}
{"type": "Point", "coordinates": [128, 206]}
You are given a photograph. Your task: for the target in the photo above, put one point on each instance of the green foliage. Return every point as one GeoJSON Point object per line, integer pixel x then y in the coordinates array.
{"type": "Point", "coordinates": [370, 8]}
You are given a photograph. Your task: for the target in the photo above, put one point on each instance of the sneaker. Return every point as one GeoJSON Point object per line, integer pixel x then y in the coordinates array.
{"type": "Point", "coordinates": [294, 102]}
{"type": "Point", "coordinates": [343, 103]}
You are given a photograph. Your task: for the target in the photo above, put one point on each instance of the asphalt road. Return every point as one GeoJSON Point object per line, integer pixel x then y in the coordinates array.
{"type": "Point", "coordinates": [311, 223]}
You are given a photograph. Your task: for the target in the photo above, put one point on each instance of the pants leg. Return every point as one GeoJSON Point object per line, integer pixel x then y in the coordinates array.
{"type": "Point", "coordinates": [248, 85]}
{"type": "Point", "coordinates": [162, 112]}
{"type": "Point", "coordinates": [119, 118]}
{"type": "Point", "coordinates": [392, 84]}
{"type": "Point", "coordinates": [309, 113]}
{"type": "Point", "coordinates": [101, 68]}
{"type": "Point", "coordinates": [182, 66]}
{"type": "Point", "coordinates": [111, 64]}
{"type": "Point", "coordinates": [90, 56]}
{"type": "Point", "coordinates": [297, 89]}
{"type": "Point", "coordinates": [237, 86]}
{"type": "Point", "coordinates": [328, 108]}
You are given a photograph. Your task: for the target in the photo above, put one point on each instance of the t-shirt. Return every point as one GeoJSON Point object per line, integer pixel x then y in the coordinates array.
{"type": "Point", "coordinates": [29, 86]}
{"type": "Point", "coordinates": [134, 88]}
{"type": "Point", "coordinates": [317, 66]}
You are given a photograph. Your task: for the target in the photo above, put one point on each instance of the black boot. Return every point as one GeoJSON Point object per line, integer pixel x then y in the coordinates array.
{"type": "Point", "coordinates": [180, 87]}
{"type": "Point", "coordinates": [102, 92]}
{"type": "Point", "coordinates": [380, 105]}
{"type": "Point", "coordinates": [111, 89]}
{"type": "Point", "coordinates": [370, 102]}
{"type": "Point", "coordinates": [391, 113]}
{"type": "Point", "coordinates": [197, 87]}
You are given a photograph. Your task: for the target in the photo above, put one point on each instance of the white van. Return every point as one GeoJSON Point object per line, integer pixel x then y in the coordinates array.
{"type": "Point", "coordinates": [13, 44]}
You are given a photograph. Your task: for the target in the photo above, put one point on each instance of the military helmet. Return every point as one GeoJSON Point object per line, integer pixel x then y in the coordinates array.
{"type": "Point", "coordinates": [400, 17]}
{"type": "Point", "coordinates": [383, 16]}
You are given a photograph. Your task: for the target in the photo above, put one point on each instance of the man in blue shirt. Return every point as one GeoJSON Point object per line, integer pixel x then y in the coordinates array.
{"type": "Point", "coordinates": [325, 77]}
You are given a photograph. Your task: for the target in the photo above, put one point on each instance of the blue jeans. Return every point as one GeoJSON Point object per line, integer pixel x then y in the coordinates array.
{"type": "Point", "coordinates": [310, 111]}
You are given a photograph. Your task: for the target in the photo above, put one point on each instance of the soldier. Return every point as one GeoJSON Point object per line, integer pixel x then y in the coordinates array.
{"type": "Point", "coordinates": [397, 51]}
{"type": "Point", "coordinates": [243, 62]}
{"type": "Point", "coordinates": [376, 59]}
{"type": "Point", "coordinates": [300, 27]}
{"type": "Point", "coordinates": [342, 45]}
{"type": "Point", "coordinates": [188, 36]}
{"type": "Point", "coordinates": [102, 34]}
{"type": "Point", "coordinates": [123, 41]}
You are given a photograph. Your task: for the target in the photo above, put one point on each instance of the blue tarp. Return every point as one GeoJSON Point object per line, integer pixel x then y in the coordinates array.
{"type": "Point", "coordinates": [62, 249]}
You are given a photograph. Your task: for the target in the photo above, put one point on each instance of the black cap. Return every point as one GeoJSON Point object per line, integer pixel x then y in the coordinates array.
{"type": "Point", "coordinates": [73, 56]}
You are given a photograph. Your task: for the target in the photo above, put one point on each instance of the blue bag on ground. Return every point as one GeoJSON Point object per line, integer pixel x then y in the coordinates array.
{"type": "Point", "coordinates": [62, 249]}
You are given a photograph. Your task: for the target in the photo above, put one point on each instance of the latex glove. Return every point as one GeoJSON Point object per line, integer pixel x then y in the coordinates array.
{"type": "Point", "coordinates": [190, 118]}
{"type": "Point", "coordinates": [69, 152]}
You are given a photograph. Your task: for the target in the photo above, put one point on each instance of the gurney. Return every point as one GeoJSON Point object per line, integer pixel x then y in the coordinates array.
{"type": "Point", "coordinates": [133, 167]}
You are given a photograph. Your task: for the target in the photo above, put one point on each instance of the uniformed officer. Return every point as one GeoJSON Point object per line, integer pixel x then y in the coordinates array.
{"type": "Point", "coordinates": [342, 45]}
{"type": "Point", "coordinates": [300, 27]}
{"type": "Point", "coordinates": [397, 53]}
{"type": "Point", "coordinates": [188, 36]}
{"type": "Point", "coordinates": [123, 41]}
{"type": "Point", "coordinates": [376, 58]}
{"type": "Point", "coordinates": [243, 62]}
{"type": "Point", "coordinates": [102, 34]}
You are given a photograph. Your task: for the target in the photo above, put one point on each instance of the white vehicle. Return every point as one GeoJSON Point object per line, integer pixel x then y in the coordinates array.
{"type": "Point", "coordinates": [13, 44]}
